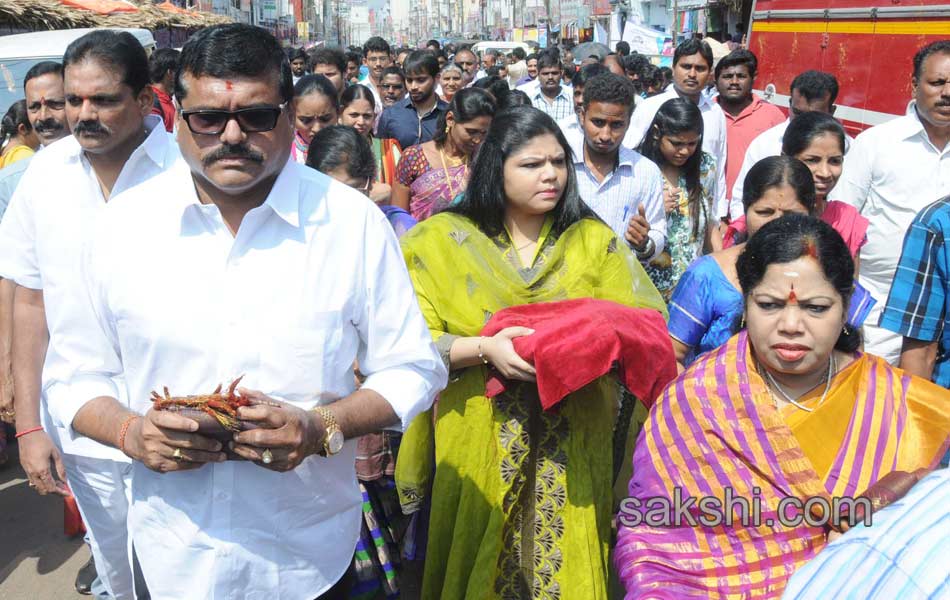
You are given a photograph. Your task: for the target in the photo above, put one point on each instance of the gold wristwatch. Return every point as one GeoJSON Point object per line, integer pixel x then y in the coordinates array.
{"type": "Point", "coordinates": [333, 440]}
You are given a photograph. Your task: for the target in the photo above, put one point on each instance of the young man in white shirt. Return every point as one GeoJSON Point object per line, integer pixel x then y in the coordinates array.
{"type": "Point", "coordinates": [692, 71]}
{"type": "Point", "coordinates": [891, 172]}
{"type": "Point", "coordinates": [571, 125]}
{"type": "Point", "coordinates": [115, 144]}
{"type": "Point", "coordinates": [234, 262]}
{"type": "Point", "coordinates": [620, 185]}
{"type": "Point", "coordinates": [811, 91]}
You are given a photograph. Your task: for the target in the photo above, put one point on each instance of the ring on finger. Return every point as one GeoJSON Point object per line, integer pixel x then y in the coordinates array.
{"type": "Point", "coordinates": [177, 454]}
{"type": "Point", "coordinates": [267, 457]}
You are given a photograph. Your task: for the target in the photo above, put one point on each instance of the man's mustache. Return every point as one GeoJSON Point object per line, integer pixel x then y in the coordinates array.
{"type": "Point", "coordinates": [48, 125]}
{"type": "Point", "coordinates": [90, 127]}
{"type": "Point", "coordinates": [232, 151]}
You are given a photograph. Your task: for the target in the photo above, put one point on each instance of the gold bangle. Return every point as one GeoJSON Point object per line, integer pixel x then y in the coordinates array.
{"type": "Point", "coordinates": [481, 356]}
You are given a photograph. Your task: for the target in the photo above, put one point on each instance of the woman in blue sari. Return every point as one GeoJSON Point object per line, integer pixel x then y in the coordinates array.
{"type": "Point", "coordinates": [706, 306]}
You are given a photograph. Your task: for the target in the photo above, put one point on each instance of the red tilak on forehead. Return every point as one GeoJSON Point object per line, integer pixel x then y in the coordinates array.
{"type": "Point", "coordinates": [228, 85]}
{"type": "Point", "coordinates": [792, 298]}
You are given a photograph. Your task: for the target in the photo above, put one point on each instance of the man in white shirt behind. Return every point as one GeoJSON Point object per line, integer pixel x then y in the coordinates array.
{"type": "Point", "coordinates": [811, 91]}
{"type": "Point", "coordinates": [237, 261]}
{"type": "Point", "coordinates": [692, 70]}
{"type": "Point", "coordinates": [623, 187]}
{"type": "Point", "coordinates": [114, 145]}
{"type": "Point", "coordinates": [891, 173]}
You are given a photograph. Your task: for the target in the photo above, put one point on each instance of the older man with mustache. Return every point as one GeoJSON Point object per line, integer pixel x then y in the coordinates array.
{"type": "Point", "coordinates": [115, 144]}
{"type": "Point", "coordinates": [237, 261]}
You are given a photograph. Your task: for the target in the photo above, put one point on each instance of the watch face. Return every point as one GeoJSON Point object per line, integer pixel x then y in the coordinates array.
{"type": "Point", "coordinates": [335, 442]}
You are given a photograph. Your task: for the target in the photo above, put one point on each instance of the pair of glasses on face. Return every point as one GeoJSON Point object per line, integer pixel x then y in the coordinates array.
{"type": "Point", "coordinates": [257, 119]}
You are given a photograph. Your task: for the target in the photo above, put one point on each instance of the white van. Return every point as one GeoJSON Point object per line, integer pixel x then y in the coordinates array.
{"type": "Point", "coordinates": [18, 54]}
{"type": "Point", "coordinates": [500, 47]}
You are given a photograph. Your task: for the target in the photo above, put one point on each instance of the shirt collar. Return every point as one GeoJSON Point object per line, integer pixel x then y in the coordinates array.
{"type": "Point", "coordinates": [625, 157]}
{"type": "Point", "coordinates": [704, 100]}
{"type": "Point", "coordinates": [910, 124]}
{"type": "Point", "coordinates": [283, 198]}
{"type": "Point", "coordinates": [155, 145]}
{"type": "Point", "coordinates": [561, 94]}
{"type": "Point", "coordinates": [440, 104]}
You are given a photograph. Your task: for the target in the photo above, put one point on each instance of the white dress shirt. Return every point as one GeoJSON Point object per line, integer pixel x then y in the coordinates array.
{"type": "Point", "coordinates": [714, 136]}
{"type": "Point", "coordinates": [54, 208]}
{"type": "Point", "coordinates": [313, 280]}
{"type": "Point", "coordinates": [635, 181]}
{"type": "Point", "coordinates": [571, 128]}
{"type": "Point", "coordinates": [766, 144]}
{"type": "Point", "coordinates": [891, 172]}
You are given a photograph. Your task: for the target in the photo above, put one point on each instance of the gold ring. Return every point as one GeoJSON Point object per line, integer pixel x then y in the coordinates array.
{"type": "Point", "coordinates": [267, 457]}
{"type": "Point", "coordinates": [177, 454]}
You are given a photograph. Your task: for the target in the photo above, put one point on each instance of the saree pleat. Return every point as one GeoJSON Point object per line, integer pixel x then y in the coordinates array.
{"type": "Point", "coordinates": [521, 498]}
{"type": "Point", "coordinates": [716, 428]}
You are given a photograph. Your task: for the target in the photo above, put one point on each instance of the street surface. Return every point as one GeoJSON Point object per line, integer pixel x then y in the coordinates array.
{"type": "Point", "coordinates": [37, 561]}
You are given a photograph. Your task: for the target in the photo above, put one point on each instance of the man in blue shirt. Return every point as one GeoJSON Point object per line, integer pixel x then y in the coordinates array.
{"type": "Point", "coordinates": [920, 295]}
{"type": "Point", "coordinates": [412, 120]}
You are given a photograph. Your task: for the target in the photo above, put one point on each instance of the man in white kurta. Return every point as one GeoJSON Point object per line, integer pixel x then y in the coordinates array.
{"type": "Point", "coordinates": [238, 261]}
{"type": "Point", "coordinates": [692, 69]}
{"type": "Point", "coordinates": [891, 173]}
{"type": "Point", "coordinates": [57, 204]}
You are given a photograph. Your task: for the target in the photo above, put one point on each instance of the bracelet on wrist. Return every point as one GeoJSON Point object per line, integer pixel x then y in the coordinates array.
{"type": "Point", "coordinates": [481, 355]}
{"type": "Point", "coordinates": [124, 430]}
{"type": "Point", "coordinates": [20, 434]}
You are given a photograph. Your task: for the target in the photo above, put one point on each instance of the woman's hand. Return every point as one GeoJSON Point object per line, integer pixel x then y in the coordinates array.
{"type": "Point", "coordinates": [671, 199]}
{"type": "Point", "coordinates": [500, 351]}
{"type": "Point", "coordinates": [380, 193]}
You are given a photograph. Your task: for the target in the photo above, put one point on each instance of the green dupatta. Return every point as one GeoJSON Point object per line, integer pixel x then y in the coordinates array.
{"type": "Point", "coordinates": [521, 499]}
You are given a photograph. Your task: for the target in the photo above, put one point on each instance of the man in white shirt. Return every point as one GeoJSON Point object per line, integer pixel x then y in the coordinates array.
{"type": "Point", "coordinates": [571, 125]}
{"type": "Point", "coordinates": [550, 96]}
{"type": "Point", "coordinates": [620, 185]}
{"type": "Point", "coordinates": [237, 261]}
{"type": "Point", "coordinates": [892, 172]}
{"type": "Point", "coordinates": [812, 91]}
{"type": "Point", "coordinates": [115, 144]}
{"type": "Point", "coordinates": [692, 70]}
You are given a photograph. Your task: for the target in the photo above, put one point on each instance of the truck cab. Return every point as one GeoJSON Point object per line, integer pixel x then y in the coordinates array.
{"type": "Point", "coordinates": [869, 45]}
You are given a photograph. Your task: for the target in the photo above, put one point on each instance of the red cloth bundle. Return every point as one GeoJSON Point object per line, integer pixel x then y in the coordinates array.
{"type": "Point", "coordinates": [576, 341]}
{"type": "Point", "coordinates": [72, 520]}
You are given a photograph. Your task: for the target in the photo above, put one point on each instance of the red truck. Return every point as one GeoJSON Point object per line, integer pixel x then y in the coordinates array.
{"type": "Point", "coordinates": [868, 45]}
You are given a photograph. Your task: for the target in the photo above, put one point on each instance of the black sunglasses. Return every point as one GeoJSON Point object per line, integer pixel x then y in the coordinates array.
{"type": "Point", "coordinates": [251, 120]}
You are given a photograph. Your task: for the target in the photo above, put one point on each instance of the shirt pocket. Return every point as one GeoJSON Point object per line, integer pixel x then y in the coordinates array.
{"type": "Point", "coordinates": [298, 362]}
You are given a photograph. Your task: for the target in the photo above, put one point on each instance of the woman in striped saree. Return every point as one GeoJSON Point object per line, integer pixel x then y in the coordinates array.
{"type": "Point", "coordinates": [786, 409]}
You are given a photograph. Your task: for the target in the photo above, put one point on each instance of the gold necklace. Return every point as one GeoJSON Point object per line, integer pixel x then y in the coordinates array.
{"type": "Point", "coordinates": [448, 178]}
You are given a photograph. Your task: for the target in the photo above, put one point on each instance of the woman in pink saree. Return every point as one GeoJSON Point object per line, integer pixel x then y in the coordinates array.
{"type": "Point", "coordinates": [430, 175]}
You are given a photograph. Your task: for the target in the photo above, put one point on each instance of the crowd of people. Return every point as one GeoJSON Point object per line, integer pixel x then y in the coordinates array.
{"type": "Point", "coordinates": [311, 324]}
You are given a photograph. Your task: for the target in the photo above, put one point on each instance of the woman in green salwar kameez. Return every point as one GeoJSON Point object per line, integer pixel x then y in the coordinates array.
{"type": "Point", "coordinates": [521, 498]}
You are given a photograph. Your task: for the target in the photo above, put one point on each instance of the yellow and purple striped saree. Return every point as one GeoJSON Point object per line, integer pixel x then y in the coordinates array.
{"type": "Point", "coordinates": [717, 427]}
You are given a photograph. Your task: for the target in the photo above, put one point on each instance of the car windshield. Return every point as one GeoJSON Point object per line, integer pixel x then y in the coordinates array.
{"type": "Point", "coordinates": [12, 73]}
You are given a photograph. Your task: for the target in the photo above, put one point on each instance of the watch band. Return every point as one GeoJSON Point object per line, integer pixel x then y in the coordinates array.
{"type": "Point", "coordinates": [330, 427]}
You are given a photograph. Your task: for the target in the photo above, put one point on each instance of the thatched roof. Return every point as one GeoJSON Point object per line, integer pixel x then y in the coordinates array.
{"type": "Point", "coordinates": [52, 14]}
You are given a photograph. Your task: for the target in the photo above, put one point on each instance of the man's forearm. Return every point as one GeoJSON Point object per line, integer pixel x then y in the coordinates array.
{"type": "Point", "coordinates": [364, 411]}
{"type": "Point", "coordinates": [101, 419]}
{"type": "Point", "coordinates": [30, 341]}
{"type": "Point", "coordinates": [918, 357]}
{"type": "Point", "coordinates": [6, 325]}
